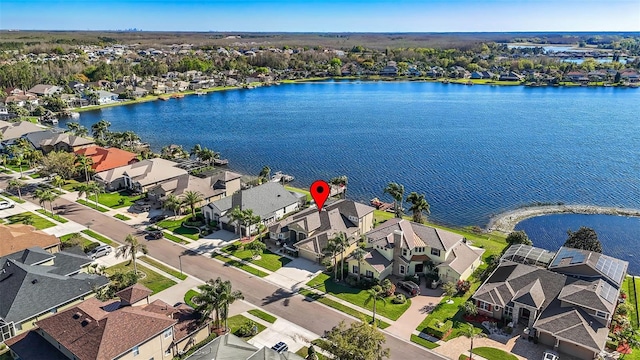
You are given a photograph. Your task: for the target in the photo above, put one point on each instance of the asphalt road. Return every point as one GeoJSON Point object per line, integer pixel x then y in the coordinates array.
{"type": "Point", "coordinates": [281, 302]}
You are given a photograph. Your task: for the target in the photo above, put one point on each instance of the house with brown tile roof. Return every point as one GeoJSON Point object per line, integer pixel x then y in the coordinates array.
{"type": "Point", "coordinates": [104, 159]}
{"type": "Point", "coordinates": [134, 294]}
{"type": "Point", "coordinates": [18, 237]}
{"type": "Point", "coordinates": [96, 330]}
{"type": "Point", "coordinates": [409, 248]}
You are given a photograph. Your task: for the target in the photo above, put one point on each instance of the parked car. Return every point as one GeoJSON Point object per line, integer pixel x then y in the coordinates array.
{"type": "Point", "coordinates": [550, 355]}
{"type": "Point", "coordinates": [280, 347]}
{"type": "Point", "coordinates": [155, 234]}
{"type": "Point", "coordinates": [6, 204]}
{"type": "Point", "coordinates": [409, 286]}
{"type": "Point", "coordinates": [158, 218]}
{"type": "Point", "coordinates": [100, 251]}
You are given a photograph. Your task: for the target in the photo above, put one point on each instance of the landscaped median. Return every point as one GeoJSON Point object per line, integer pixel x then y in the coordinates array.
{"type": "Point", "coordinates": [423, 342]}
{"type": "Point", "coordinates": [55, 217]}
{"type": "Point", "coordinates": [99, 237]}
{"type": "Point", "coordinates": [263, 315]}
{"type": "Point", "coordinates": [92, 205]}
{"type": "Point", "coordinates": [489, 354]}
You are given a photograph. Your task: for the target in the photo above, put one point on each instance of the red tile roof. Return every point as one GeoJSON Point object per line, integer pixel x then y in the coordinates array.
{"type": "Point", "coordinates": [107, 158]}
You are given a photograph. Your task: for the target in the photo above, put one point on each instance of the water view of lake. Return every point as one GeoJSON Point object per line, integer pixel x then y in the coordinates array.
{"type": "Point", "coordinates": [475, 151]}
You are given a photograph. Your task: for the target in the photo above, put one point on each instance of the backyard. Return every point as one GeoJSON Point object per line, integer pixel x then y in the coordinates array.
{"type": "Point", "coordinates": [151, 279]}
{"type": "Point", "coordinates": [268, 260]}
{"type": "Point", "coordinates": [32, 219]}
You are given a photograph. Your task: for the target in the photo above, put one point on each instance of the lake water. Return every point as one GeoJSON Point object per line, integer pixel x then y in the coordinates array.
{"type": "Point", "coordinates": [475, 151]}
{"type": "Point", "coordinates": [618, 234]}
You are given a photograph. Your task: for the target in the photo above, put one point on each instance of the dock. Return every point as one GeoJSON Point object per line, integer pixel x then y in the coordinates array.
{"type": "Point", "coordinates": [220, 162]}
{"type": "Point", "coordinates": [379, 205]}
{"type": "Point", "coordinates": [281, 178]}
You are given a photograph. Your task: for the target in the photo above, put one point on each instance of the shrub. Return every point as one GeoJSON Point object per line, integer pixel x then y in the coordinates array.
{"type": "Point", "coordinates": [399, 299]}
{"type": "Point", "coordinates": [439, 329]}
{"type": "Point", "coordinates": [463, 286]}
{"type": "Point", "coordinates": [249, 328]}
{"type": "Point", "coordinates": [388, 287]}
{"type": "Point", "coordinates": [2, 347]}
{"type": "Point", "coordinates": [612, 344]}
{"type": "Point", "coordinates": [91, 246]}
{"type": "Point", "coordinates": [508, 330]}
{"type": "Point", "coordinates": [351, 281]}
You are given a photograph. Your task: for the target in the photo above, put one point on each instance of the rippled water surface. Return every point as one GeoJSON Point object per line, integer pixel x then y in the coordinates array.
{"type": "Point", "coordinates": [474, 150]}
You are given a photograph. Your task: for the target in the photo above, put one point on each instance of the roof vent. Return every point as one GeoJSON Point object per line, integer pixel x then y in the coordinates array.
{"type": "Point", "coordinates": [85, 322]}
{"type": "Point", "coordinates": [77, 315]}
{"type": "Point", "coordinates": [34, 281]}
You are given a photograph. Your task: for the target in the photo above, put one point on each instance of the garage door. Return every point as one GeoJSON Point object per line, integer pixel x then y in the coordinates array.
{"type": "Point", "coordinates": [575, 350]}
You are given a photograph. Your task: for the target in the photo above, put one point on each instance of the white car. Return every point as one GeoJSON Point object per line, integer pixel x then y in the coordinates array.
{"type": "Point", "coordinates": [550, 355]}
{"type": "Point", "coordinates": [6, 204]}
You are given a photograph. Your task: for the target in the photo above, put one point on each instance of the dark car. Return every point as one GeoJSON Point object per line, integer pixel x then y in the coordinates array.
{"type": "Point", "coordinates": [158, 218]}
{"type": "Point", "coordinates": [155, 234]}
{"type": "Point", "coordinates": [409, 286]}
{"type": "Point", "coordinates": [280, 347]}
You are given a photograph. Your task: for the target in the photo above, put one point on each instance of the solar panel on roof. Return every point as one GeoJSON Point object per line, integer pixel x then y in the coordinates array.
{"type": "Point", "coordinates": [611, 268]}
{"type": "Point", "coordinates": [528, 254]}
{"type": "Point", "coordinates": [576, 256]}
{"type": "Point", "coordinates": [608, 292]}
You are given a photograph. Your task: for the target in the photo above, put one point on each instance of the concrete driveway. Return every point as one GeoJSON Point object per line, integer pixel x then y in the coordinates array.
{"type": "Point", "coordinates": [421, 306]}
{"type": "Point", "coordinates": [295, 274]}
{"type": "Point", "coordinates": [291, 334]}
{"type": "Point", "coordinates": [215, 240]}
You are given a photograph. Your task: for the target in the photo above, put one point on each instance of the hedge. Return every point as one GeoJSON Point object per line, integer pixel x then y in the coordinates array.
{"type": "Point", "coordinates": [438, 329]}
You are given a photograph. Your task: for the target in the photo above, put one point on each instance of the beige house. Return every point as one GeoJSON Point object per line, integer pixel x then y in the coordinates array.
{"type": "Point", "coordinates": [144, 175]}
{"type": "Point", "coordinates": [308, 232]}
{"type": "Point", "coordinates": [213, 188]}
{"type": "Point", "coordinates": [12, 131]}
{"type": "Point", "coordinates": [402, 248]}
{"type": "Point", "coordinates": [50, 140]}
{"type": "Point", "coordinates": [96, 330]}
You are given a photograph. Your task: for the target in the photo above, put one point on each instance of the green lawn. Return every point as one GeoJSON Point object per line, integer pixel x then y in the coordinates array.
{"type": "Point", "coordinates": [163, 267]}
{"type": "Point", "coordinates": [176, 227]}
{"type": "Point", "coordinates": [99, 237]}
{"type": "Point", "coordinates": [55, 217]}
{"type": "Point", "coordinates": [71, 185]}
{"type": "Point", "coordinates": [121, 217]}
{"type": "Point", "coordinates": [85, 242]}
{"type": "Point", "coordinates": [324, 283]}
{"type": "Point", "coordinates": [15, 199]}
{"type": "Point", "coordinates": [116, 200]}
{"type": "Point", "coordinates": [632, 299]}
{"type": "Point", "coordinates": [174, 238]}
{"type": "Point", "coordinates": [154, 281]}
{"type": "Point", "coordinates": [187, 298]}
{"type": "Point", "coordinates": [345, 309]}
{"type": "Point", "coordinates": [238, 264]}
{"type": "Point", "coordinates": [38, 221]}
{"type": "Point", "coordinates": [304, 351]}
{"type": "Point", "coordinates": [262, 315]}
{"type": "Point", "coordinates": [493, 354]}
{"type": "Point", "coordinates": [236, 321]}
{"type": "Point", "coordinates": [268, 260]}
{"type": "Point", "coordinates": [92, 205]}
{"type": "Point", "coordinates": [302, 191]}
{"type": "Point", "coordinates": [423, 342]}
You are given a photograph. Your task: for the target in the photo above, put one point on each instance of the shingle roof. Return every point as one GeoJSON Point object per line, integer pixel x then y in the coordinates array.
{"type": "Point", "coordinates": [264, 200]}
{"type": "Point", "coordinates": [531, 295]}
{"type": "Point", "coordinates": [462, 256]}
{"type": "Point", "coordinates": [16, 130]}
{"type": "Point", "coordinates": [269, 354]}
{"type": "Point", "coordinates": [17, 237]}
{"type": "Point", "coordinates": [133, 293]}
{"type": "Point", "coordinates": [377, 260]}
{"type": "Point", "coordinates": [414, 235]}
{"type": "Point", "coordinates": [225, 347]}
{"type": "Point", "coordinates": [31, 346]}
{"type": "Point", "coordinates": [107, 158]}
{"type": "Point", "coordinates": [145, 172]}
{"type": "Point", "coordinates": [588, 294]}
{"type": "Point", "coordinates": [52, 137]}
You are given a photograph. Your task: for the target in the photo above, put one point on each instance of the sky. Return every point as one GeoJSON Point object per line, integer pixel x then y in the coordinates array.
{"type": "Point", "coordinates": [322, 16]}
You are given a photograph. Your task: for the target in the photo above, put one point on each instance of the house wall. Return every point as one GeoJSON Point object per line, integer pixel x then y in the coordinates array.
{"type": "Point", "coordinates": [309, 255]}
{"type": "Point", "coordinates": [364, 268]}
{"type": "Point", "coordinates": [546, 339]}
{"type": "Point", "coordinates": [31, 323]}
{"type": "Point", "coordinates": [465, 274]}
{"type": "Point", "coordinates": [447, 274]}
{"type": "Point", "coordinates": [56, 344]}
{"type": "Point", "coordinates": [366, 223]}
{"type": "Point", "coordinates": [153, 348]}
{"type": "Point", "coordinates": [191, 340]}
{"type": "Point", "coordinates": [232, 186]}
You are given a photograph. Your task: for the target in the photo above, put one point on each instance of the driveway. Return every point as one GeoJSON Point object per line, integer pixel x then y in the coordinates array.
{"type": "Point", "coordinates": [421, 305]}
{"type": "Point", "coordinates": [295, 274]}
{"type": "Point", "coordinates": [215, 240]}
{"type": "Point", "coordinates": [175, 293]}
{"type": "Point", "coordinates": [291, 334]}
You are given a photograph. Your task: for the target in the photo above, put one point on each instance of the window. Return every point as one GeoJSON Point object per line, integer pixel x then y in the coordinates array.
{"type": "Point", "coordinates": [369, 273]}
{"type": "Point", "coordinates": [54, 310]}
{"type": "Point", "coordinates": [435, 252]}
{"type": "Point", "coordinates": [404, 252]}
{"type": "Point", "coordinates": [135, 351]}
{"type": "Point", "coordinates": [601, 314]}
{"type": "Point", "coordinates": [355, 269]}
{"type": "Point", "coordinates": [168, 333]}
{"type": "Point", "coordinates": [508, 311]}
{"type": "Point", "coordinates": [484, 306]}
{"type": "Point", "coordinates": [401, 269]}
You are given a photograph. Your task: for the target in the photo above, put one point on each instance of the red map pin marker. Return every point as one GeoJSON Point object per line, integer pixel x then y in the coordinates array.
{"type": "Point", "coordinates": [319, 192]}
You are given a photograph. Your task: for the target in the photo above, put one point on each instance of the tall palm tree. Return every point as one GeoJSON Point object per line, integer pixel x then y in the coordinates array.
{"type": "Point", "coordinates": [207, 301]}
{"type": "Point", "coordinates": [208, 155]}
{"type": "Point", "coordinates": [471, 332]}
{"type": "Point", "coordinates": [84, 162]}
{"type": "Point", "coordinates": [58, 181]}
{"type": "Point", "coordinates": [16, 184]}
{"type": "Point", "coordinates": [250, 219]}
{"type": "Point", "coordinates": [130, 137]}
{"type": "Point", "coordinates": [226, 297]}
{"type": "Point", "coordinates": [333, 248]}
{"type": "Point", "coordinates": [397, 193]}
{"type": "Point", "coordinates": [374, 294]}
{"type": "Point", "coordinates": [131, 248]}
{"type": "Point", "coordinates": [191, 199]}
{"type": "Point", "coordinates": [341, 181]}
{"type": "Point", "coordinates": [3, 157]}
{"type": "Point", "coordinates": [237, 216]}
{"type": "Point", "coordinates": [44, 195]}
{"type": "Point", "coordinates": [173, 203]}
{"type": "Point", "coordinates": [343, 244]}
{"type": "Point", "coordinates": [419, 205]}
{"type": "Point", "coordinates": [195, 151]}
{"type": "Point", "coordinates": [359, 254]}
{"type": "Point", "coordinates": [265, 173]}
{"type": "Point", "coordinates": [91, 188]}
{"type": "Point", "coordinates": [100, 129]}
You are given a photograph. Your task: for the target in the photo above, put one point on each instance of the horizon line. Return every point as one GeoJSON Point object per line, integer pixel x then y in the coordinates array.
{"type": "Point", "coordinates": [332, 32]}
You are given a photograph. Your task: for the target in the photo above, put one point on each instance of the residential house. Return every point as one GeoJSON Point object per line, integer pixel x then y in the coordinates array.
{"type": "Point", "coordinates": [231, 347]}
{"type": "Point", "coordinates": [510, 76]}
{"type": "Point", "coordinates": [402, 248]}
{"type": "Point", "coordinates": [211, 188]}
{"type": "Point", "coordinates": [23, 99]}
{"type": "Point", "coordinates": [54, 140]}
{"type": "Point", "coordinates": [106, 97]}
{"type": "Point", "coordinates": [35, 283]}
{"type": "Point", "coordinates": [459, 72]}
{"type": "Point", "coordinates": [481, 75]}
{"type": "Point", "coordinates": [307, 233]}
{"type": "Point", "coordinates": [390, 70]}
{"type": "Point", "coordinates": [630, 75]}
{"type": "Point", "coordinates": [12, 131]}
{"type": "Point", "coordinates": [45, 90]}
{"type": "Point", "coordinates": [567, 298]}
{"type": "Point", "coordinates": [74, 101]}
{"type": "Point", "coordinates": [577, 76]}
{"type": "Point", "coordinates": [435, 72]}
{"type": "Point", "coordinates": [18, 237]}
{"type": "Point", "coordinates": [115, 329]}
{"type": "Point", "coordinates": [143, 175]}
{"type": "Point", "coordinates": [104, 159]}
{"type": "Point", "coordinates": [270, 201]}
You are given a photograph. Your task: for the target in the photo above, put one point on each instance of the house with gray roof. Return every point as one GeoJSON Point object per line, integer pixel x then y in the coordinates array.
{"type": "Point", "coordinates": [35, 283]}
{"type": "Point", "coordinates": [270, 201]}
{"type": "Point", "coordinates": [53, 140]}
{"type": "Point", "coordinates": [231, 347]}
{"type": "Point", "coordinates": [409, 248]}
{"type": "Point", "coordinates": [144, 175]}
{"type": "Point", "coordinates": [568, 298]}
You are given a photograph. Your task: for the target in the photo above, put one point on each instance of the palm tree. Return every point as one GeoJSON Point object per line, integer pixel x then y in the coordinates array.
{"type": "Point", "coordinates": [419, 205]}
{"type": "Point", "coordinates": [44, 195]}
{"type": "Point", "coordinates": [236, 215]}
{"type": "Point", "coordinates": [130, 137]}
{"type": "Point", "coordinates": [374, 294]}
{"type": "Point", "coordinates": [359, 254]}
{"type": "Point", "coordinates": [58, 181]}
{"type": "Point", "coordinates": [207, 301]}
{"type": "Point", "coordinates": [173, 203]}
{"type": "Point", "coordinates": [265, 173]}
{"type": "Point", "coordinates": [195, 151]}
{"type": "Point", "coordinates": [191, 199]}
{"type": "Point", "coordinates": [333, 247]}
{"type": "Point", "coordinates": [3, 157]}
{"type": "Point", "coordinates": [343, 244]}
{"type": "Point", "coordinates": [397, 193]}
{"type": "Point", "coordinates": [91, 187]}
{"type": "Point", "coordinates": [226, 297]}
{"type": "Point", "coordinates": [131, 248]}
{"type": "Point", "coordinates": [250, 219]}
{"type": "Point", "coordinates": [84, 163]}
{"type": "Point", "coordinates": [100, 129]}
{"type": "Point", "coordinates": [208, 155]}
{"type": "Point", "coordinates": [471, 332]}
{"type": "Point", "coordinates": [16, 184]}
{"type": "Point", "coordinates": [341, 181]}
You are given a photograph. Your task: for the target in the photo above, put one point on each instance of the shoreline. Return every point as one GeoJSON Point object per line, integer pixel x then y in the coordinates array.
{"type": "Point", "coordinates": [506, 221]}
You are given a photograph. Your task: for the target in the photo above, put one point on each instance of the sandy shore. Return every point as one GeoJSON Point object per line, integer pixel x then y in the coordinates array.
{"type": "Point", "coordinates": [506, 221]}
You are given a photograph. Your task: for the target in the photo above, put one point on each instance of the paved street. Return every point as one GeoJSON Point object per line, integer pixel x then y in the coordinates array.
{"type": "Point", "coordinates": [312, 316]}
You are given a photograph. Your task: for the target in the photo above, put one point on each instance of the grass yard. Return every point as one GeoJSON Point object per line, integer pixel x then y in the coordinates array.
{"type": "Point", "coordinates": [71, 185]}
{"type": "Point", "coordinates": [121, 217]}
{"type": "Point", "coordinates": [99, 237]}
{"type": "Point", "coordinates": [632, 298]}
{"type": "Point", "coordinates": [304, 351]}
{"type": "Point", "coordinates": [15, 199]}
{"type": "Point", "coordinates": [163, 267]}
{"type": "Point", "coordinates": [298, 190]}
{"type": "Point", "coordinates": [85, 242]}
{"type": "Point", "coordinates": [37, 221]}
{"type": "Point", "coordinates": [116, 200]}
{"type": "Point", "coordinates": [55, 217]}
{"type": "Point", "coordinates": [268, 260]}
{"type": "Point", "coordinates": [174, 238]}
{"type": "Point", "coordinates": [493, 354]}
{"type": "Point", "coordinates": [238, 264]}
{"type": "Point", "coordinates": [423, 342]}
{"type": "Point", "coordinates": [154, 281]}
{"type": "Point", "coordinates": [188, 296]}
{"type": "Point", "coordinates": [323, 282]}
{"type": "Point", "coordinates": [263, 315]}
{"type": "Point", "coordinates": [236, 321]}
{"type": "Point", "coordinates": [176, 227]}
{"type": "Point", "coordinates": [92, 205]}
{"type": "Point", "coordinates": [345, 309]}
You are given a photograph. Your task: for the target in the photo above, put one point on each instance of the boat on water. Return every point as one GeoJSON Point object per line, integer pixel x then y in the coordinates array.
{"type": "Point", "coordinates": [163, 98]}
{"type": "Point", "coordinates": [200, 92]}
{"type": "Point", "coordinates": [220, 162]}
{"type": "Point", "coordinates": [278, 176]}
{"type": "Point", "coordinates": [177, 96]}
